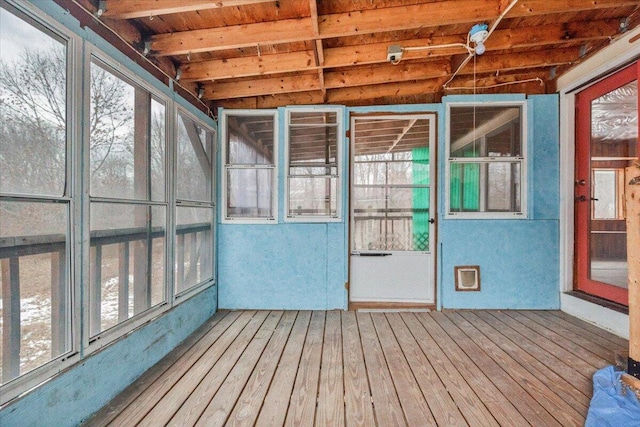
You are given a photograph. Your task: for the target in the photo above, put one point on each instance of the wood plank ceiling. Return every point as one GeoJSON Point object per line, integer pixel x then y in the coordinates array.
{"type": "Point", "coordinates": [264, 54]}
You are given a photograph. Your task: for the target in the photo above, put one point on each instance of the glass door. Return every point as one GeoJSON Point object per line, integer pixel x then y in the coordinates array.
{"type": "Point", "coordinates": [392, 208]}
{"type": "Point", "coordinates": [606, 143]}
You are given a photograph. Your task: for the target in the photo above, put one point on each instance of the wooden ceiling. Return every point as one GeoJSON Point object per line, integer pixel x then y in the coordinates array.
{"type": "Point", "coordinates": [264, 54]}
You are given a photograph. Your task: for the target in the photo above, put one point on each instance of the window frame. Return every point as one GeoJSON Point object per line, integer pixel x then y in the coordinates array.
{"type": "Point", "coordinates": [91, 344]}
{"type": "Point", "coordinates": [620, 207]}
{"type": "Point", "coordinates": [177, 202]}
{"type": "Point", "coordinates": [288, 217]}
{"type": "Point", "coordinates": [32, 15]}
{"type": "Point", "coordinates": [223, 129]}
{"type": "Point", "coordinates": [522, 160]}
{"type": "Point", "coordinates": [80, 52]}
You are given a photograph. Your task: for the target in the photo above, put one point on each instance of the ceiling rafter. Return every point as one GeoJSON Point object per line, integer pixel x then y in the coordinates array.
{"type": "Point", "coordinates": [335, 79]}
{"type": "Point", "coordinates": [375, 53]}
{"type": "Point", "coordinates": [368, 75]}
{"type": "Point", "coordinates": [504, 62]}
{"type": "Point", "coordinates": [266, 86]}
{"type": "Point", "coordinates": [367, 92]}
{"type": "Point", "coordinates": [249, 66]}
{"type": "Point", "coordinates": [401, 135]}
{"type": "Point", "coordinates": [433, 14]}
{"type": "Point", "coordinates": [372, 76]}
{"type": "Point", "coordinates": [232, 37]}
{"type": "Point", "coordinates": [317, 47]}
{"type": "Point", "coordinates": [125, 9]}
{"type": "Point", "coordinates": [268, 53]}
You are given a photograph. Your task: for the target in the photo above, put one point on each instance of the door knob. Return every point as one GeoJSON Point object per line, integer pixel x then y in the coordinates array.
{"type": "Point", "coordinates": [581, 182]}
{"type": "Point", "coordinates": [582, 198]}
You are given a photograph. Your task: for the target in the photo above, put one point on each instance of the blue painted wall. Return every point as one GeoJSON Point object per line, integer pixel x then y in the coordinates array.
{"type": "Point", "coordinates": [73, 395]}
{"type": "Point", "coordinates": [285, 265]}
{"type": "Point", "coordinates": [304, 266]}
{"type": "Point", "coordinates": [519, 259]}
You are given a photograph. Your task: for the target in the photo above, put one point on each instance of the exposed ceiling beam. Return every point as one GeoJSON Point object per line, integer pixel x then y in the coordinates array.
{"type": "Point", "coordinates": [317, 47]}
{"type": "Point", "coordinates": [126, 9]}
{"type": "Point", "coordinates": [401, 135]}
{"type": "Point", "coordinates": [273, 100]}
{"type": "Point", "coordinates": [369, 79]}
{"type": "Point", "coordinates": [248, 66]}
{"type": "Point", "coordinates": [376, 53]}
{"type": "Point", "coordinates": [232, 37]}
{"type": "Point", "coordinates": [264, 86]}
{"type": "Point", "coordinates": [433, 14]}
{"type": "Point", "coordinates": [352, 95]}
{"type": "Point", "coordinates": [498, 121]}
{"type": "Point", "coordinates": [368, 75]}
{"type": "Point", "coordinates": [484, 81]}
{"type": "Point", "coordinates": [337, 79]}
{"type": "Point", "coordinates": [203, 158]}
{"type": "Point", "coordinates": [248, 136]}
{"type": "Point", "coordinates": [449, 12]}
{"type": "Point", "coordinates": [504, 62]}
{"type": "Point", "coordinates": [362, 93]}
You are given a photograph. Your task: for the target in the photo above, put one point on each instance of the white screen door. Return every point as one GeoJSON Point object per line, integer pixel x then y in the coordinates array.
{"type": "Point", "coordinates": [392, 209]}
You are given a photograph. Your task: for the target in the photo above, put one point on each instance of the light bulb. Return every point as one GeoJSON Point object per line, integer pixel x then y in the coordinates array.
{"type": "Point", "coordinates": [480, 49]}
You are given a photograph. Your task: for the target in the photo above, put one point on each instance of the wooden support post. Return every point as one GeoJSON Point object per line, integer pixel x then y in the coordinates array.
{"type": "Point", "coordinates": [632, 198]}
{"type": "Point", "coordinates": [192, 275]}
{"type": "Point", "coordinates": [95, 292]}
{"type": "Point", "coordinates": [10, 318]}
{"type": "Point", "coordinates": [123, 281]}
{"type": "Point", "coordinates": [180, 255]}
{"type": "Point", "coordinates": [59, 304]}
{"type": "Point", "coordinates": [206, 259]}
{"type": "Point", "coordinates": [141, 282]}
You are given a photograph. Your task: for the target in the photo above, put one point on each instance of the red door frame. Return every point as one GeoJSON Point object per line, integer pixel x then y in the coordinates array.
{"type": "Point", "coordinates": [583, 192]}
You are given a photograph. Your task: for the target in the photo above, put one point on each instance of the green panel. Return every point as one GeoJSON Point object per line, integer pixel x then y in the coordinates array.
{"type": "Point", "coordinates": [471, 188]}
{"type": "Point", "coordinates": [421, 197]}
{"type": "Point", "coordinates": [455, 193]}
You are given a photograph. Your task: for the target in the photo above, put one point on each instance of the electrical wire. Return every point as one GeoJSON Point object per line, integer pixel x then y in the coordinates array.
{"type": "Point", "coordinates": [438, 46]}
{"type": "Point", "coordinates": [502, 15]}
{"type": "Point", "coordinates": [536, 79]}
{"type": "Point", "coordinates": [175, 82]}
{"type": "Point", "coordinates": [472, 51]}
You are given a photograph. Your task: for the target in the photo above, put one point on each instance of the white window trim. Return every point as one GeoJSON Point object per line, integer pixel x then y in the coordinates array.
{"type": "Point", "coordinates": [225, 167]}
{"type": "Point", "coordinates": [524, 160]}
{"type": "Point", "coordinates": [27, 381]}
{"type": "Point", "coordinates": [79, 59]}
{"type": "Point", "coordinates": [178, 297]}
{"type": "Point", "coordinates": [91, 344]}
{"type": "Point", "coordinates": [339, 149]}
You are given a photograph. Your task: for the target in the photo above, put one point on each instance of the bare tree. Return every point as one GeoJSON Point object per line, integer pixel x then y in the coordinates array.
{"type": "Point", "coordinates": [33, 122]}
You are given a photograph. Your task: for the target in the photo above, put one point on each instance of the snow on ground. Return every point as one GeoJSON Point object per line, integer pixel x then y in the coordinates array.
{"type": "Point", "coordinates": [35, 320]}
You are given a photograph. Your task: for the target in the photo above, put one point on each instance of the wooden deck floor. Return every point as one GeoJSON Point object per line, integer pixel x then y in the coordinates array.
{"type": "Point", "coordinates": [299, 368]}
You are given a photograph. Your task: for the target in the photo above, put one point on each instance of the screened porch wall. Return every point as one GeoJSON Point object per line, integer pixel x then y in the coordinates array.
{"type": "Point", "coordinates": [70, 396]}
{"type": "Point", "coordinates": [288, 265]}
{"type": "Point", "coordinates": [518, 258]}
{"type": "Point", "coordinates": [305, 265]}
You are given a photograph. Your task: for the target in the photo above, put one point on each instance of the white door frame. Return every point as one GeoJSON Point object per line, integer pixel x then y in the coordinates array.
{"type": "Point", "coordinates": [393, 258]}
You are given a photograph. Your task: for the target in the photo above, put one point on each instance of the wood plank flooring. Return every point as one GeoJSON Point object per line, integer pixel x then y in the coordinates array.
{"type": "Point", "coordinates": [341, 368]}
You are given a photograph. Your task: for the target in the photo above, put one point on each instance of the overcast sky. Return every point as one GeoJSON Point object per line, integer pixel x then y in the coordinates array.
{"type": "Point", "coordinates": [16, 36]}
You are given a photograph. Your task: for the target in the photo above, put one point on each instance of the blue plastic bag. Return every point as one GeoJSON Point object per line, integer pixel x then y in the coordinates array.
{"type": "Point", "coordinates": [613, 404]}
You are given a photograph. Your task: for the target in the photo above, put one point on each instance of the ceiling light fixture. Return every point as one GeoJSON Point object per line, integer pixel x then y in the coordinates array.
{"type": "Point", "coordinates": [478, 35]}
